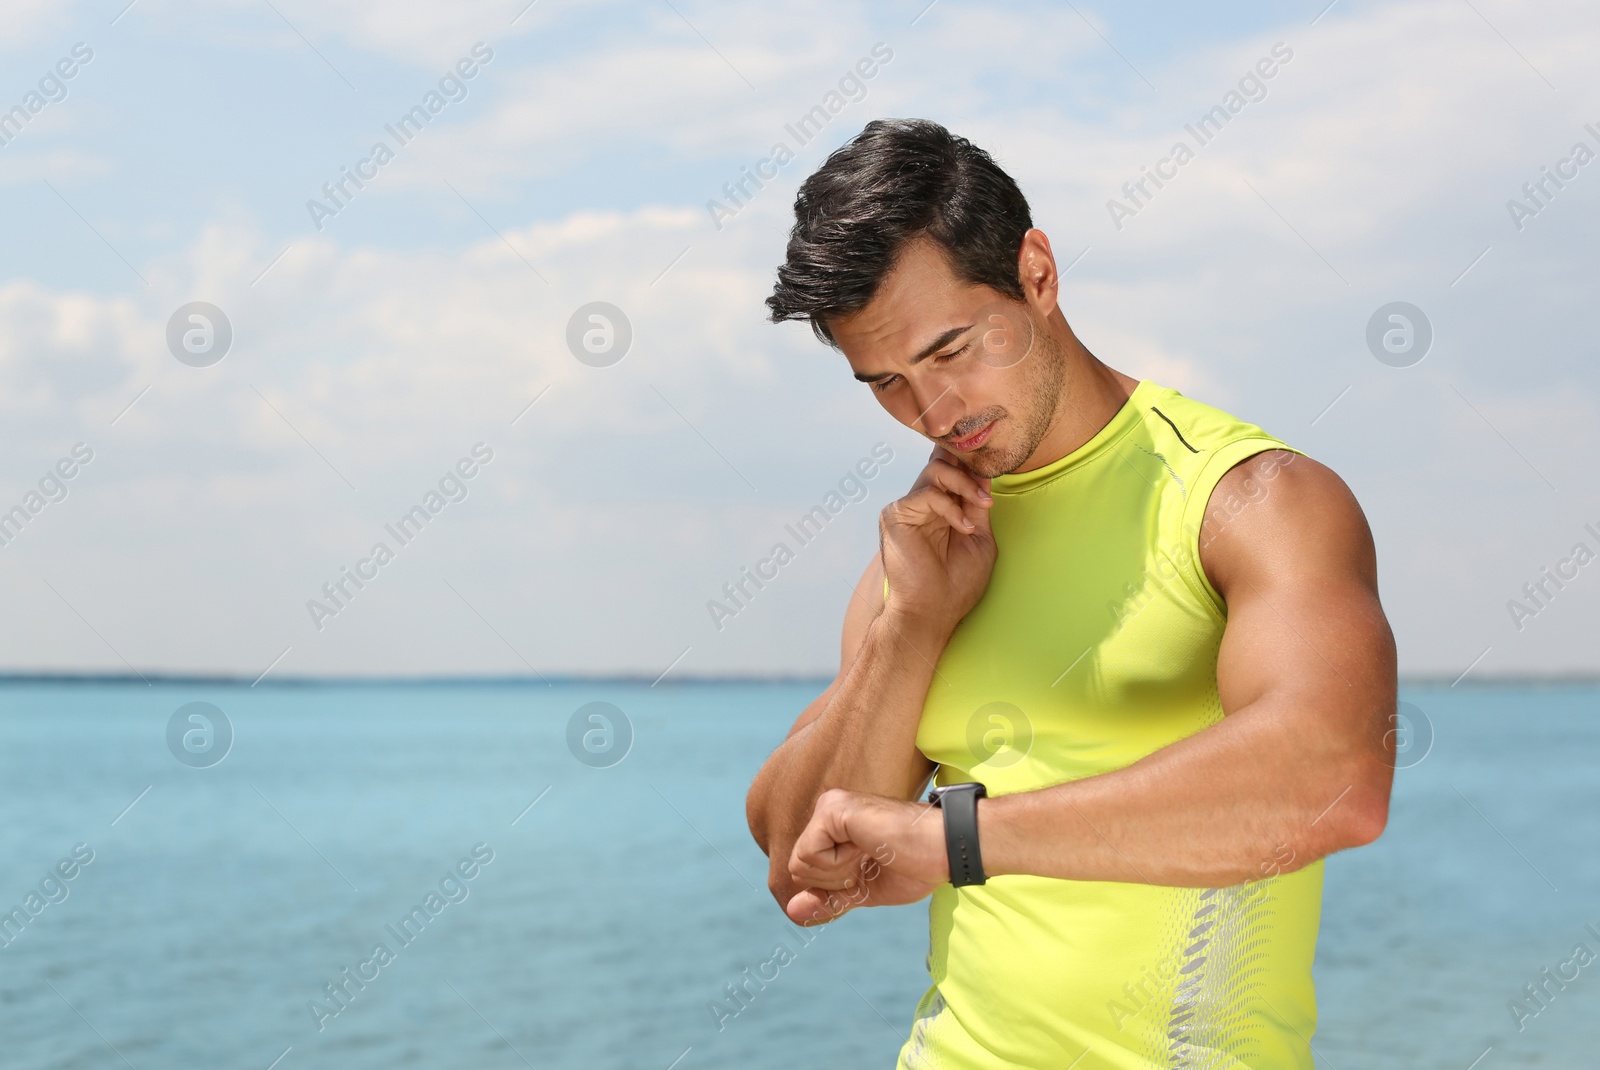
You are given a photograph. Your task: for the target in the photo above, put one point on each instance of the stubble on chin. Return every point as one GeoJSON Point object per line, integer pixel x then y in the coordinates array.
{"type": "Point", "coordinates": [1045, 397]}
{"type": "Point", "coordinates": [989, 466]}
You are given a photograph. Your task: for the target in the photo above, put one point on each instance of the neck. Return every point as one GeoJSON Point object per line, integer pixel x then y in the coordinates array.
{"type": "Point", "coordinates": [1091, 394]}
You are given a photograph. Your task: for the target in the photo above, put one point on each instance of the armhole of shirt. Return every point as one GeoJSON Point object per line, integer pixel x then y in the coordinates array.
{"type": "Point", "coordinates": [1222, 460]}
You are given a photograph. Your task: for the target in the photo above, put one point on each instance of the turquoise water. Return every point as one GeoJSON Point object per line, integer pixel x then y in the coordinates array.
{"type": "Point", "coordinates": [620, 905]}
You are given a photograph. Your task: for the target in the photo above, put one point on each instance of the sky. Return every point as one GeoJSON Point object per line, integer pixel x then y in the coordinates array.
{"type": "Point", "coordinates": [385, 339]}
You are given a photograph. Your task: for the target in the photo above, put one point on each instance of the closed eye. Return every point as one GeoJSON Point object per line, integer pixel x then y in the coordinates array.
{"type": "Point", "coordinates": [943, 358]}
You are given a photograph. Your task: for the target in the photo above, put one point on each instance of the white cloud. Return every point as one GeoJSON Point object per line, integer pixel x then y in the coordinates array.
{"type": "Point", "coordinates": [27, 22]}
{"type": "Point", "coordinates": [1390, 143]}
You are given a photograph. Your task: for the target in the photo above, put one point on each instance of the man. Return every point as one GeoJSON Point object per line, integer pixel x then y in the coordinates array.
{"type": "Point", "coordinates": [1149, 629]}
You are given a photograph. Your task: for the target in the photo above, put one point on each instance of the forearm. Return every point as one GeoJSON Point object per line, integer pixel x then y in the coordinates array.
{"type": "Point", "coordinates": [1266, 790]}
{"type": "Point", "coordinates": [864, 740]}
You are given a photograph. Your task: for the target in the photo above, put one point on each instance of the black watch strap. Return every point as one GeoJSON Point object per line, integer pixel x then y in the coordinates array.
{"type": "Point", "coordinates": [960, 805]}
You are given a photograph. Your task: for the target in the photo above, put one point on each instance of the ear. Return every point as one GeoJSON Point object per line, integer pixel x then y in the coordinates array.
{"type": "Point", "coordinates": [1036, 270]}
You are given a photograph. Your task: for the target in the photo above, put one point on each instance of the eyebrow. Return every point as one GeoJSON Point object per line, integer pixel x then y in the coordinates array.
{"type": "Point", "coordinates": [927, 351]}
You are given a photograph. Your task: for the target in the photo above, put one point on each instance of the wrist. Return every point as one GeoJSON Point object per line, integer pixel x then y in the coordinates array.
{"type": "Point", "coordinates": [929, 843]}
{"type": "Point", "coordinates": [994, 813]}
{"type": "Point", "coordinates": [903, 626]}
{"type": "Point", "coordinates": [960, 804]}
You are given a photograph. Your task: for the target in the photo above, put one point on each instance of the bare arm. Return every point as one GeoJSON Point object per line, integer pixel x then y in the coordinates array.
{"type": "Point", "coordinates": [860, 733]}
{"type": "Point", "coordinates": [1300, 766]}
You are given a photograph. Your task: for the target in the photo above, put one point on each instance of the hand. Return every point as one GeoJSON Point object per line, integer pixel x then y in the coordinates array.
{"type": "Point", "coordinates": [865, 850]}
{"type": "Point", "coordinates": [938, 550]}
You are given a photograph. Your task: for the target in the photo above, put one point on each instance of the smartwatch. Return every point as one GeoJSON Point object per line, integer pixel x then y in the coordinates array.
{"type": "Point", "coordinates": [960, 805]}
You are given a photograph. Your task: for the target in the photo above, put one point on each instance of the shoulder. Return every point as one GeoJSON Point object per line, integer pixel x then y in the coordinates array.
{"type": "Point", "coordinates": [1201, 442]}
{"type": "Point", "coordinates": [1277, 516]}
{"type": "Point", "coordinates": [1197, 425]}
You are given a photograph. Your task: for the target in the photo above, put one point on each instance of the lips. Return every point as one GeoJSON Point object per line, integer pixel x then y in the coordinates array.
{"type": "Point", "coordinates": [973, 441]}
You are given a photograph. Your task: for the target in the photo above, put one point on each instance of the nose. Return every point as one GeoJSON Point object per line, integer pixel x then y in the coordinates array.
{"type": "Point", "coordinates": [939, 407]}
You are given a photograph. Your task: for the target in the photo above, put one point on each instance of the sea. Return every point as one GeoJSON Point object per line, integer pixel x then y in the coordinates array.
{"type": "Point", "coordinates": [201, 874]}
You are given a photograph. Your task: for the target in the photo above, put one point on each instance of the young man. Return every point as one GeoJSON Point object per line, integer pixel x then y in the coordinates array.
{"type": "Point", "coordinates": [1149, 629]}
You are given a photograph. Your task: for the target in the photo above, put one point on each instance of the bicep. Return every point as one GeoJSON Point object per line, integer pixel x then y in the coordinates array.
{"type": "Point", "coordinates": [1305, 631]}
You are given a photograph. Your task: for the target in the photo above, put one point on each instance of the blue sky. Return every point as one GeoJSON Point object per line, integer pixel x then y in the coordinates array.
{"type": "Point", "coordinates": [372, 354]}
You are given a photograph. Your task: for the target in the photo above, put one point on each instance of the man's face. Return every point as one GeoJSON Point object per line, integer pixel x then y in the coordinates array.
{"type": "Point", "coordinates": [965, 366]}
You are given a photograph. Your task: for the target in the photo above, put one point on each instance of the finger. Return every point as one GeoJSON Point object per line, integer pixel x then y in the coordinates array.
{"type": "Point", "coordinates": [944, 455]}
{"type": "Point", "coordinates": [836, 865]}
{"type": "Point", "coordinates": [821, 841]}
{"type": "Point", "coordinates": [917, 507]}
{"type": "Point", "coordinates": [838, 871]}
{"type": "Point", "coordinates": [947, 508]}
{"type": "Point", "coordinates": [847, 882]}
{"type": "Point", "coordinates": [942, 464]}
{"type": "Point", "coordinates": [925, 477]}
{"type": "Point", "coordinates": [960, 481]}
{"type": "Point", "coordinates": [969, 491]}
{"type": "Point", "coordinates": [823, 849]}
{"type": "Point", "coordinates": [812, 906]}
{"type": "Point", "coordinates": [950, 456]}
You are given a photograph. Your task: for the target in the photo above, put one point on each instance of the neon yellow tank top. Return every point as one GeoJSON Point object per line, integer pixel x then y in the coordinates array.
{"type": "Point", "coordinates": [1094, 645]}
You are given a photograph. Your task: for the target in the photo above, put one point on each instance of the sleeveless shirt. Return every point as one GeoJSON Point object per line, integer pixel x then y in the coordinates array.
{"type": "Point", "coordinates": [1094, 644]}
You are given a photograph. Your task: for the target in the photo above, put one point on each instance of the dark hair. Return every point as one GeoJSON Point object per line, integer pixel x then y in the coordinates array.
{"type": "Point", "coordinates": [895, 181]}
